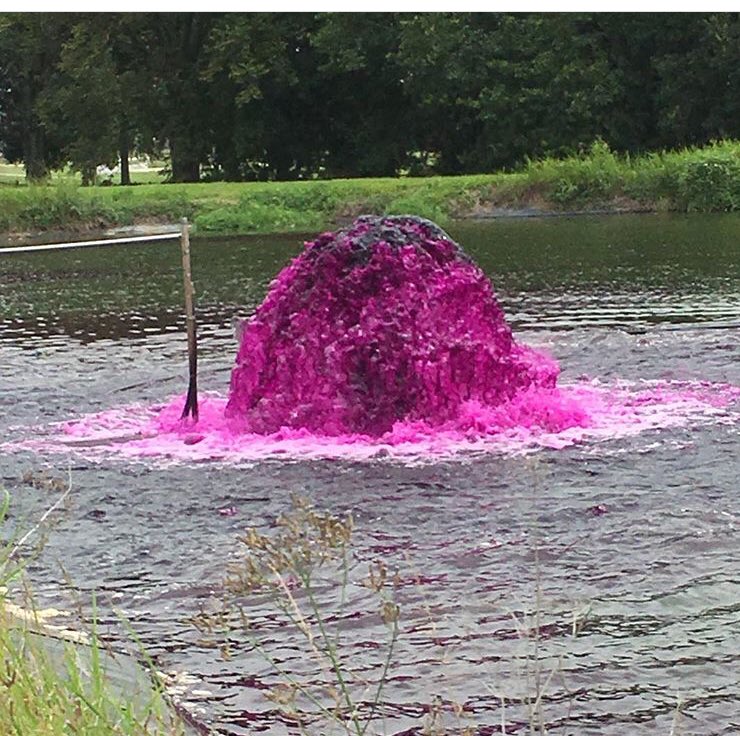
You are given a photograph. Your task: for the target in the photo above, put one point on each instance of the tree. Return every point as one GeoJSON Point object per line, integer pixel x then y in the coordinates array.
{"type": "Point", "coordinates": [366, 114]}
{"type": "Point", "coordinates": [30, 47]}
{"type": "Point", "coordinates": [307, 95]}
{"type": "Point", "coordinates": [298, 95]}
{"type": "Point", "coordinates": [132, 40]}
{"type": "Point", "coordinates": [493, 88]}
{"type": "Point", "coordinates": [698, 71]}
{"type": "Point", "coordinates": [182, 101]}
{"type": "Point", "coordinates": [79, 103]}
{"type": "Point", "coordinates": [250, 68]}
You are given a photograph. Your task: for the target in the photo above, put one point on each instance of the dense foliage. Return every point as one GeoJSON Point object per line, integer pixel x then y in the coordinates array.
{"type": "Point", "coordinates": [245, 96]}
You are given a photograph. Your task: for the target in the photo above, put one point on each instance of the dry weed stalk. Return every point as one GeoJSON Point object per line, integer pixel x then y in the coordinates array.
{"type": "Point", "coordinates": [283, 566]}
{"type": "Point", "coordinates": [42, 480]}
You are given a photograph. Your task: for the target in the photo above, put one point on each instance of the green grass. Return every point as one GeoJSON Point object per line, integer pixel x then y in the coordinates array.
{"type": "Point", "coordinates": [690, 180]}
{"type": "Point", "coordinates": [67, 694]}
{"type": "Point", "coordinates": [221, 207]}
{"type": "Point", "coordinates": [49, 687]}
{"type": "Point", "coordinates": [703, 179]}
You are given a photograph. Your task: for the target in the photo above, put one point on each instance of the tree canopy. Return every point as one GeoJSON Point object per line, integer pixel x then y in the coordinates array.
{"type": "Point", "coordinates": [242, 96]}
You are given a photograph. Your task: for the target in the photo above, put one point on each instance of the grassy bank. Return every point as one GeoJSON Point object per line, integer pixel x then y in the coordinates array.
{"type": "Point", "coordinates": [691, 180]}
{"type": "Point", "coordinates": [50, 689]}
{"type": "Point", "coordinates": [56, 682]}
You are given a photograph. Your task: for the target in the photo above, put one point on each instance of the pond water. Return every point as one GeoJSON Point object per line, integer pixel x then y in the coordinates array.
{"type": "Point", "coordinates": [634, 541]}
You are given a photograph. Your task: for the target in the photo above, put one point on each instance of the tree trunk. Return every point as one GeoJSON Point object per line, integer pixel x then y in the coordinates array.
{"type": "Point", "coordinates": [123, 149]}
{"type": "Point", "coordinates": [88, 175]}
{"type": "Point", "coordinates": [33, 156]}
{"type": "Point", "coordinates": [185, 162]}
{"type": "Point", "coordinates": [229, 162]}
{"type": "Point", "coordinates": [226, 148]}
{"type": "Point", "coordinates": [33, 139]}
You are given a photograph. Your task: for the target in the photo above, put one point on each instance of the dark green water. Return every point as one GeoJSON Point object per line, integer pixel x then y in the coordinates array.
{"type": "Point", "coordinates": [638, 538]}
{"type": "Point", "coordinates": [629, 270]}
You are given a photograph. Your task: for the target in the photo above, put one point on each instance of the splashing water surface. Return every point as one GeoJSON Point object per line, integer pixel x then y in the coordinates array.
{"type": "Point", "coordinates": [386, 321]}
{"type": "Point", "coordinates": [386, 337]}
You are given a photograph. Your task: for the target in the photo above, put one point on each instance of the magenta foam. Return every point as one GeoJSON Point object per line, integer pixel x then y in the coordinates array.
{"type": "Point", "coordinates": [382, 322]}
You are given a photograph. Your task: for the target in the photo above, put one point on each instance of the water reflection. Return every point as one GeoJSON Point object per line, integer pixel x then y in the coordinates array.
{"type": "Point", "coordinates": [627, 272]}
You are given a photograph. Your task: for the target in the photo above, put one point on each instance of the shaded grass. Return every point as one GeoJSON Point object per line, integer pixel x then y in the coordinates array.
{"type": "Point", "coordinates": [68, 694]}
{"type": "Point", "coordinates": [690, 180]}
{"type": "Point", "coordinates": [53, 687]}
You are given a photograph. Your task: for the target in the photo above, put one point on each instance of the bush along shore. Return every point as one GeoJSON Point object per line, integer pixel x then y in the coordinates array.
{"type": "Point", "coordinates": [703, 179]}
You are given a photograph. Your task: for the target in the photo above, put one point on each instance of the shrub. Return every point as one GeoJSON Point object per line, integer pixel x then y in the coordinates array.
{"type": "Point", "coordinates": [710, 184]}
{"type": "Point", "coordinates": [591, 177]}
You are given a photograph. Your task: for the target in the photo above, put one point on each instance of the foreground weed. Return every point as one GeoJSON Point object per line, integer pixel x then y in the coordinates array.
{"type": "Point", "coordinates": [286, 566]}
{"type": "Point", "coordinates": [54, 692]}
{"type": "Point", "coordinates": [53, 681]}
{"type": "Point", "coordinates": [676, 729]}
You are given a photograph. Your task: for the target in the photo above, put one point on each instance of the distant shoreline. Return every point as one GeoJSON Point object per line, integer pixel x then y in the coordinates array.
{"type": "Point", "coordinates": [597, 183]}
{"type": "Point", "coordinates": [86, 232]}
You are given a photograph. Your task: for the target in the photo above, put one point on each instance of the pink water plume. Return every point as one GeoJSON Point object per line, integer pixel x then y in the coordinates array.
{"type": "Point", "coordinates": [555, 418]}
{"type": "Point", "coordinates": [383, 322]}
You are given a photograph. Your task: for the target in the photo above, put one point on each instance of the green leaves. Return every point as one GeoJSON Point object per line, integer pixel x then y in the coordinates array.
{"type": "Point", "coordinates": [243, 96]}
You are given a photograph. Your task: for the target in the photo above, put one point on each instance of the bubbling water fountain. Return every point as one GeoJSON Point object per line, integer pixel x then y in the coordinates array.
{"type": "Point", "coordinates": [387, 320]}
{"type": "Point", "coordinates": [386, 338]}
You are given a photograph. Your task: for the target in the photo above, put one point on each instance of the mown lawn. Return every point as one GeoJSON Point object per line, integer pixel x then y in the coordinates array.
{"type": "Point", "coordinates": [691, 180]}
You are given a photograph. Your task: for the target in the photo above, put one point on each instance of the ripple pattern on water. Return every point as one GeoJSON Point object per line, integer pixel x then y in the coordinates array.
{"type": "Point", "coordinates": [637, 537]}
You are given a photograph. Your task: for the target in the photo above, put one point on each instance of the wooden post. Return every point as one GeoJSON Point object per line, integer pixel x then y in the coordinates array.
{"type": "Point", "coordinates": [191, 403]}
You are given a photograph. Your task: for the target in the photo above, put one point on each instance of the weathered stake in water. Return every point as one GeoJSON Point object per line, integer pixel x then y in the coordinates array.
{"type": "Point", "coordinates": [191, 402]}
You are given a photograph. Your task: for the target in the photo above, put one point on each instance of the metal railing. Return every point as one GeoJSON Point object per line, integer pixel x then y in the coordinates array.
{"type": "Point", "coordinates": [183, 235]}
{"type": "Point", "coordinates": [89, 243]}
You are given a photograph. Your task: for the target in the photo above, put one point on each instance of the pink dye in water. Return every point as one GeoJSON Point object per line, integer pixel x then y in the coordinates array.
{"type": "Point", "coordinates": [386, 338]}
{"type": "Point", "coordinates": [383, 322]}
